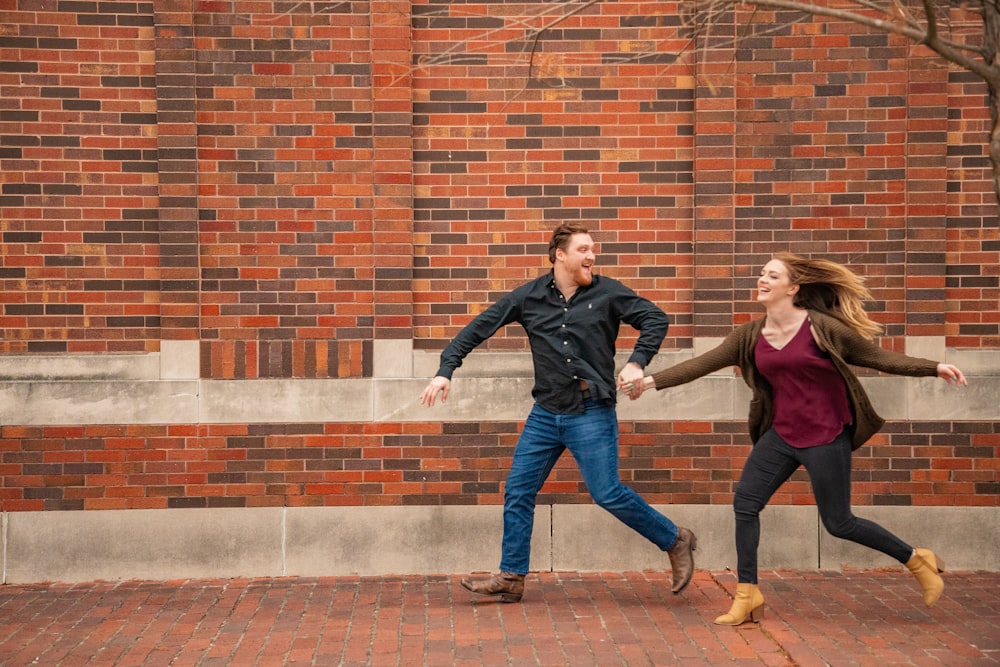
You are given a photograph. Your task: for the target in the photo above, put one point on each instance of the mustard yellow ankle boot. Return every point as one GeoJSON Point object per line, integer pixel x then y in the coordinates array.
{"type": "Point", "coordinates": [926, 567]}
{"type": "Point", "coordinates": [749, 602]}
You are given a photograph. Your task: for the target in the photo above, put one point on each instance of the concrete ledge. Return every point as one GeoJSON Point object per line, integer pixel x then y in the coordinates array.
{"type": "Point", "coordinates": [966, 538]}
{"type": "Point", "coordinates": [713, 398]}
{"type": "Point", "coordinates": [97, 402]}
{"type": "Point", "coordinates": [323, 541]}
{"type": "Point", "coordinates": [587, 538]}
{"type": "Point", "coordinates": [470, 399]}
{"type": "Point", "coordinates": [284, 401]}
{"type": "Point", "coordinates": [142, 544]}
{"type": "Point", "coordinates": [326, 541]}
{"type": "Point", "coordinates": [491, 385]}
{"type": "Point", "coordinates": [122, 367]}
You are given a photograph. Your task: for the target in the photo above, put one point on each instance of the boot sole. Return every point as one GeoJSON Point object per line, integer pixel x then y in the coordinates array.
{"type": "Point", "coordinates": [500, 595]}
{"type": "Point", "coordinates": [755, 616]}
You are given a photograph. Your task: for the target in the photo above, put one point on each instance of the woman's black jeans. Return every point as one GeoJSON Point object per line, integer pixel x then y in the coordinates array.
{"type": "Point", "coordinates": [770, 464]}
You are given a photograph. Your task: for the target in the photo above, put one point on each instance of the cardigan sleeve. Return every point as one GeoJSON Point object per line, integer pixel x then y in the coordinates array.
{"type": "Point", "coordinates": [859, 351]}
{"type": "Point", "coordinates": [724, 354]}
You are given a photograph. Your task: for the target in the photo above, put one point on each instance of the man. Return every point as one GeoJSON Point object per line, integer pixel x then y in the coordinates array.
{"type": "Point", "coordinates": [572, 319]}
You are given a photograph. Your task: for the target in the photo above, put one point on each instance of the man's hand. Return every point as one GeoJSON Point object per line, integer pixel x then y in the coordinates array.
{"type": "Point", "coordinates": [630, 380]}
{"type": "Point", "coordinates": [430, 392]}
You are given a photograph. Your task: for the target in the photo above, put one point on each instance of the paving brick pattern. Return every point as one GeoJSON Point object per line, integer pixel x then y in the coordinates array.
{"type": "Point", "coordinates": [812, 618]}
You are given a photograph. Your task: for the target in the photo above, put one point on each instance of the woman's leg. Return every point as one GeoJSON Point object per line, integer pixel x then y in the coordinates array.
{"type": "Point", "coordinates": [829, 468]}
{"type": "Point", "coordinates": [770, 464]}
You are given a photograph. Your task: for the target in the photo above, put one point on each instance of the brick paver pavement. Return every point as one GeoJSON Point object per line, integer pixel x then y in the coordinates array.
{"type": "Point", "coordinates": [874, 618]}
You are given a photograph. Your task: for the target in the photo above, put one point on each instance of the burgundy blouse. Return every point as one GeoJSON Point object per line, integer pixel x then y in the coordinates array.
{"type": "Point", "coordinates": [810, 397]}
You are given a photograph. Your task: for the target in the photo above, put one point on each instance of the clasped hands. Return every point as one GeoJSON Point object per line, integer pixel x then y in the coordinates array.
{"type": "Point", "coordinates": [632, 382]}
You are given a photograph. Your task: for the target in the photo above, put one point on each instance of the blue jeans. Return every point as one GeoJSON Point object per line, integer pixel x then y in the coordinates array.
{"type": "Point", "coordinates": [771, 462]}
{"type": "Point", "coordinates": [592, 439]}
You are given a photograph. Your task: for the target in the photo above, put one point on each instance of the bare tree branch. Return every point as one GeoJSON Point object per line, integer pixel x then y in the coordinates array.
{"type": "Point", "coordinates": [950, 51]}
{"type": "Point", "coordinates": [923, 22]}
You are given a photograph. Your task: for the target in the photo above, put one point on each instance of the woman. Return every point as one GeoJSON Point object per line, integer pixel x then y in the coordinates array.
{"type": "Point", "coordinates": [808, 408]}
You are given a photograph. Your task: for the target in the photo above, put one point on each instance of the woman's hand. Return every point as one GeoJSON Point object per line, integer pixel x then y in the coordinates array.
{"type": "Point", "coordinates": [635, 388]}
{"type": "Point", "coordinates": [630, 380]}
{"type": "Point", "coordinates": [951, 374]}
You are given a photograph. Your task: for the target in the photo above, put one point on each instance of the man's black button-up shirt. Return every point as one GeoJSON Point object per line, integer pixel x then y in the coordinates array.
{"type": "Point", "coordinates": [570, 340]}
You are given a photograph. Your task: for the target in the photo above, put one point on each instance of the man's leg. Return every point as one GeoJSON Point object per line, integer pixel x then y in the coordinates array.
{"type": "Point", "coordinates": [538, 448]}
{"type": "Point", "coordinates": [593, 440]}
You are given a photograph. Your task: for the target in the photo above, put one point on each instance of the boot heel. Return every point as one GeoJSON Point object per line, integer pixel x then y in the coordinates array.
{"type": "Point", "coordinates": [747, 605]}
{"type": "Point", "coordinates": [932, 559]}
{"type": "Point", "coordinates": [510, 597]}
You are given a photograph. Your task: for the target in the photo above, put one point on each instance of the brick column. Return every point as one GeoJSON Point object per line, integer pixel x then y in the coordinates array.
{"type": "Point", "coordinates": [972, 283]}
{"type": "Point", "coordinates": [392, 169]}
{"type": "Point", "coordinates": [927, 182]}
{"type": "Point", "coordinates": [715, 182]}
{"type": "Point", "coordinates": [178, 169]}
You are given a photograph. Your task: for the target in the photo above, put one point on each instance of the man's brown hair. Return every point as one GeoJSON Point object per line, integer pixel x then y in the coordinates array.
{"type": "Point", "coordinates": [561, 236]}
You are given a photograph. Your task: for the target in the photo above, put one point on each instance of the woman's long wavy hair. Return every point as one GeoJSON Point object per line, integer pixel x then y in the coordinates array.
{"type": "Point", "coordinates": [831, 288]}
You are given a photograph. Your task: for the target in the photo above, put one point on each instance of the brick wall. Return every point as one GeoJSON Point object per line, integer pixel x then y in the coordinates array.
{"type": "Point", "coordinates": [288, 183]}
{"type": "Point", "coordinates": [302, 465]}
{"type": "Point", "coordinates": [598, 126]}
{"type": "Point", "coordinates": [78, 178]}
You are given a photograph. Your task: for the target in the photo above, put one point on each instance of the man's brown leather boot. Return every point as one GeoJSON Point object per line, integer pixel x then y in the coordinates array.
{"type": "Point", "coordinates": [682, 559]}
{"type": "Point", "coordinates": [507, 586]}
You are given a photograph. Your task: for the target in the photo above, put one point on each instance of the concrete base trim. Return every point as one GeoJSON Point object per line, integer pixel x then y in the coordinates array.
{"type": "Point", "coordinates": [117, 545]}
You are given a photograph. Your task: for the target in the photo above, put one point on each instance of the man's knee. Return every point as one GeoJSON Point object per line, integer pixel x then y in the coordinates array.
{"type": "Point", "coordinates": [611, 497]}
